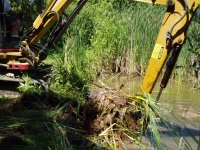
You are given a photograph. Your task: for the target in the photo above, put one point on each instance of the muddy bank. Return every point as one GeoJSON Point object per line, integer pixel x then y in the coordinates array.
{"type": "Point", "coordinates": [108, 118]}
{"type": "Point", "coordinates": [36, 121]}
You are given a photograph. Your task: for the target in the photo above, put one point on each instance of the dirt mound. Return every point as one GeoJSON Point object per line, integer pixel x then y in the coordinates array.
{"type": "Point", "coordinates": [107, 107]}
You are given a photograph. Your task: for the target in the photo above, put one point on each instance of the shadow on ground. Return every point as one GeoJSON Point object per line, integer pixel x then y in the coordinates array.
{"type": "Point", "coordinates": [179, 135]}
{"type": "Point", "coordinates": [35, 122]}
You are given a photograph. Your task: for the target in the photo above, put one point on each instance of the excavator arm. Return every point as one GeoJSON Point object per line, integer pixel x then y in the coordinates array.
{"type": "Point", "coordinates": [52, 16]}
{"type": "Point", "coordinates": [169, 41]}
{"type": "Point", "coordinates": [47, 29]}
{"type": "Point", "coordinates": [44, 21]}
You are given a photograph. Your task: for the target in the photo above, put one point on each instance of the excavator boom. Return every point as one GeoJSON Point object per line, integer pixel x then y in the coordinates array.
{"type": "Point", "coordinates": [169, 42]}
{"type": "Point", "coordinates": [49, 17]}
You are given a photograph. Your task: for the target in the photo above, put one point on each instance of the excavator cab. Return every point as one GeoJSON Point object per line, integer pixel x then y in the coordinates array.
{"type": "Point", "coordinates": [10, 26]}
{"type": "Point", "coordinates": [11, 22]}
{"type": "Point", "coordinates": [23, 54]}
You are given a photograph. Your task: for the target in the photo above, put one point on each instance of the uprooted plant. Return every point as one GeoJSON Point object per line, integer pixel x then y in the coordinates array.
{"type": "Point", "coordinates": [119, 118]}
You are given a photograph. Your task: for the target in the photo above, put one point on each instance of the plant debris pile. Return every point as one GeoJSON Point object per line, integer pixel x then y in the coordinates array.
{"type": "Point", "coordinates": [107, 107]}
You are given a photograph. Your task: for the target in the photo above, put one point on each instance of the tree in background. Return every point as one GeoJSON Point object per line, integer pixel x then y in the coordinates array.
{"type": "Point", "coordinates": [29, 8]}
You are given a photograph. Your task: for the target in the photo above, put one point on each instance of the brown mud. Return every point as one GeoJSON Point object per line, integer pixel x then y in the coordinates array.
{"type": "Point", "coordinates": [106, 107]}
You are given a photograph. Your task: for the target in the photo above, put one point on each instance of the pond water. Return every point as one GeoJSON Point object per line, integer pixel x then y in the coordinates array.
{"type": "Point", "coordinates": [182, 96]}
{"type": "Point", "coordinates": [185, 104]}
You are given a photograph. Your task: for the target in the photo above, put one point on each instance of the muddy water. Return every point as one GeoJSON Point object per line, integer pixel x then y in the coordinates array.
{"type": "Point", "coordinates": [184, 102]}
{"type": "Point", "coordinates": [184, 99]}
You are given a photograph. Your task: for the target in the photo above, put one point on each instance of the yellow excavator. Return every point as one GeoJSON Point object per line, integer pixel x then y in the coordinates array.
{"type": "Point", "coordinates": [20, 54]}
{"type": "Point", "coordinates": [55, 22]}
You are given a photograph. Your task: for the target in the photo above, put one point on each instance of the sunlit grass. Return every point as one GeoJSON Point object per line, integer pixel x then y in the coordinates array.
{"type": "Point", "coordinates": [29, 86]}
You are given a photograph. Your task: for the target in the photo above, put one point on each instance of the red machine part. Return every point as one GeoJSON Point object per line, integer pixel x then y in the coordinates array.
{"type": "Point", "coordinates": [7, 49]}
{"type": "Point", "coordinates": [19, 66]}
{"type": "Point", "coordinates": [14, 65]}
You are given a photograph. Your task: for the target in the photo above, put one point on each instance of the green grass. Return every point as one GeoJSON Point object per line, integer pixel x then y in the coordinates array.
{"type": "Point", "coordinates": [33, 130]}
{"type": "Point", "coordinates": [102, 32]}
{"type": "Point", "coordinates": [105, 30]}
{"type": "Point", "coordinates": [29, 86]}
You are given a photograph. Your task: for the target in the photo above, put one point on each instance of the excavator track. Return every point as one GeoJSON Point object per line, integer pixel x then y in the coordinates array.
{"type": "Point", "coordinates": [5, 78]}
{"type": "Point", "coordinates": [10, 81]}
{"type": "Point", "coordinates": [8, 87]}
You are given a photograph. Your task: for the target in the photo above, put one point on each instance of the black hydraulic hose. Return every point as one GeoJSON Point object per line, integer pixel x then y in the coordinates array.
{"type": "Point", "coordinates": [28, 52]}
{"type": "Point", "coordinates": [169, 68]}
{"type": "Point", "coordinates": [27, 60]}
{"type": "Point", "coordinates": [170, 64]}
{"type": "Point", "coordinates": [169, 33]}
{"type": "Point", "coordinates": [57, 23]}
{"type": "Point", "coordinates": [69, 20]}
